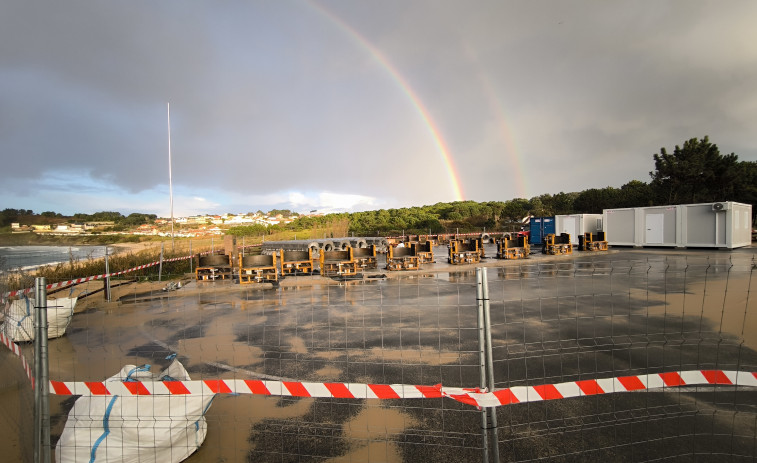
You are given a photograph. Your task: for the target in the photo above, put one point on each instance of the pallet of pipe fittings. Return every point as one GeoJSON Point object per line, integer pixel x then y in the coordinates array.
{"type": "Point", "coordinates": [424, 251]}
{"type": "Point", "coordinates": [257, 275]}
{"type": "Point", "coordinates": [464, 252]}
{"type": "Point", "coordinates": [365, 258]}
{"type": "Point", "coordinates": [517, 248]}
{"type": "Point", "coordinates": [402, 258]}
{"type": "Point", "coordinates": [296, 262]}
{"type": "Point", "coordinates": [338, 263]}
{"type": "Point", "coordinates": [557, 244]}
{"type": "Point", "coordinates": [593, 242]}
{"type": "Point", "coordinates": [213, 273]}
{"type": "Point", "coordinates": [258, 269]}
{"type": "Point", "coordinates": [465, 257]}
{"type": "Point", "coordinates": [338, 268]}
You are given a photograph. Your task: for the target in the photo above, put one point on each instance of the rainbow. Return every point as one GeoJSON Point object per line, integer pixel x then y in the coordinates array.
{"type": "Point", "coordinates": [454, 177]}
{"type": "Point", "coordinates": [496, 106]}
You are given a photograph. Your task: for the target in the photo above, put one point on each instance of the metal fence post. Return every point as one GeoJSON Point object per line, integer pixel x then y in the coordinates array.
{"type": "Point", "coordinates": [41, 385]}
{"type": "Point", "coordinates": [490, 362]}
{"type": "Point", "coordinates": [191, 257]}
{"type": "Point", "coordinates": [107, 276]}
{"type": "Point", "coordinates": [160, 264]}
{"type": "Point", "coordinates": [37, 376]}
{"type": "Point", "coordinates": [482, 360]}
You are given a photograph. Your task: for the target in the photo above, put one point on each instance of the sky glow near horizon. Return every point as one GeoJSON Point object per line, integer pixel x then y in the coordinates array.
{"type": "Point", "coordinates": [337, 105]}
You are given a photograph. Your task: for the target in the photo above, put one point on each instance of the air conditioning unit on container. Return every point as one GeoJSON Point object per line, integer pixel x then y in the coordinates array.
{"type": "Point", "coordinates": [717, 207]}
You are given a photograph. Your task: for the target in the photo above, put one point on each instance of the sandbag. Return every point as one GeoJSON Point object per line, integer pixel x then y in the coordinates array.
{"type": "Point", "coordinates": [19, 318]}
{"type": "Point", "coordinates": [154, 428]}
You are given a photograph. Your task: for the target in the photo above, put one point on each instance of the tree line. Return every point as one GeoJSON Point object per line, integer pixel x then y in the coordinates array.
{"type": "Point", "coordinates": [28, 217]}
{"type": "Point", "coordinates": [695, 172]}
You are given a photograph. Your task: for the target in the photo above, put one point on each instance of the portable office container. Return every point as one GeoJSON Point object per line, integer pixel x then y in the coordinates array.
{"type": "Point", "coordinates": [539, 227]}
{"type": "Point", "coordinates": [578, 224]}
{"type": "Point", "coordinates": [723, 225]}
{"type": "Point", "coordinates": [717, 225]}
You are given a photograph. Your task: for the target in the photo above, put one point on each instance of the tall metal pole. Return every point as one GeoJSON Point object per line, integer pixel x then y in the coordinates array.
{"type": "Point", "coordinates": [482, 361]}
{"type": "Point", "coordinates": [41, 385]}
{"type": "Point", "coordinates": [107, 276]}
{"type": "Point", "coordinates": [490, 362]}
{"type": "Point", "coordinates": [170, 179]}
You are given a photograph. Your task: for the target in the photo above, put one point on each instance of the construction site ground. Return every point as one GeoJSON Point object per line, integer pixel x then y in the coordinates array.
{"type": "Point", "coordinates": [415, 327]}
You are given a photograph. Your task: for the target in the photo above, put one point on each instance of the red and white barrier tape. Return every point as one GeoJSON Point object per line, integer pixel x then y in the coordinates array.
{"type": "Point", "coordinates": [470, 396]}
{"type": "Point", "coordinates": [474, 396]}
{"type": "Point", "coordinates": [14, 348]}
{"type": "Point", "coordinates": [63, 284]}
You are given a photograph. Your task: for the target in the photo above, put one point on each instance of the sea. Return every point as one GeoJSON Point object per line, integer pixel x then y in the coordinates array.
{"type": "Point", "coordinates": [31, 257]}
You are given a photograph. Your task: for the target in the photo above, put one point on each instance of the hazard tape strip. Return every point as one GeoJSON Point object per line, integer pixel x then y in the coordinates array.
{"type": "Point", "coordinates": [474, 396]}
{"type": "Point", "coordinates": [63, 284]}
{"type": "Point", "coordinates": [15, 349]}
{"type": "Point", "coordinates": [471, 396]}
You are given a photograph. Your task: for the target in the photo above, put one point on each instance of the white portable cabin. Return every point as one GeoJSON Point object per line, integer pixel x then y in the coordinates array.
{"type": "Point", "coordinates": [722, 225]}
{"type": "Point", "coordinates": [716, 225]}
{"type": "Point", "coordinates": [578, 224]}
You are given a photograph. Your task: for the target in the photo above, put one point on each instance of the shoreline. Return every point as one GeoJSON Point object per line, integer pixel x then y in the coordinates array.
{"type": "Point", "coordinates": [35, 239]}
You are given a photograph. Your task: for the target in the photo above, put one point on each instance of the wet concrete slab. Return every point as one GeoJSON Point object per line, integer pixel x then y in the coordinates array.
{"type": "Point", "coordinates": [554, 319]}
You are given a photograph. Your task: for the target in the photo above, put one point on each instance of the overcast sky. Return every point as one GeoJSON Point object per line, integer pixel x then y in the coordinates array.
{"type": "Point", "coordinates": [359, 105]}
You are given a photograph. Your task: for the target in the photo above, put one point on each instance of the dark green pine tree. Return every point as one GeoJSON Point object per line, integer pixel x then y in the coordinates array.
{"type": "Point", "coordinates": [694, 173]}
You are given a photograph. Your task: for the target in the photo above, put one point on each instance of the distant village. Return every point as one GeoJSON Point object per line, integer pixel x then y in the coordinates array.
{"type": "Point", "coordinates": [190, 227]}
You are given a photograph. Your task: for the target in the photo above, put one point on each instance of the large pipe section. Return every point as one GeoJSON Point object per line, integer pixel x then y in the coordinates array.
{"type": "Point", "coordinates": [341, 244]}
{"type": "Point", "coordinates": [381, 243]}
{"type": "Point", "coordinates": [271, 247]}
{"type": "Point", "coordinates": [333, 244]}
{"type": "Point", "coordinates": [358, 243]}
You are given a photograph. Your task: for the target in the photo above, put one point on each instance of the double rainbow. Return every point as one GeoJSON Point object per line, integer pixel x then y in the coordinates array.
{"type": "Point", "coordinates": [441, 147]}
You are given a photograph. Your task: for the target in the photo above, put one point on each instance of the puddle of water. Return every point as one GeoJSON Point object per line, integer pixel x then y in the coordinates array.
{"type": "Point", "coordinates": [231, 420]}
{"type": "Point", "coordinates": [424, 355]}
{"type": "Point", "coordinates": [370, 434]}
{"type": "Point", "coordinates": [723, 305]}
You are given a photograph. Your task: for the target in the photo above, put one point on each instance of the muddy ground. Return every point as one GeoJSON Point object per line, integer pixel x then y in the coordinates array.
{"type": "Point", "coordinates": [554, 319]}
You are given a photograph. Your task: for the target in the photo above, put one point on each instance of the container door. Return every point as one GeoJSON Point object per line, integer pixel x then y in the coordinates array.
{"type": "Point", "coordinates": [654, 234]}
{"type": "Point", "coordinates": [549, 226]}
{"type": "Point", "coordinates": [720, 229]}
{"type": "Point", "coordinates": [536, 228]}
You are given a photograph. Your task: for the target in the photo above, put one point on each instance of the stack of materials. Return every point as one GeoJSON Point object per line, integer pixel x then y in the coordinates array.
{"type": "Point", "coordinates": [557, 244]}
{"type": "Point", "coordinates": [513, 248]}
{"type": "Point", "coordinates": [464, 252]}
{"type": "Point", "coordinates": [402, 258]}
{"type": "Point", "coordinates": [258, 269]}
{"type": "Point", "coordinates": [338, 263]}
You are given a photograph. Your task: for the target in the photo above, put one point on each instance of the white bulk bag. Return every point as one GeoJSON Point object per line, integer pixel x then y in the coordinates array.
{"type": "Point", "coordinates": [149, 428]}
{"type": "Point", "coordinates": [19, 318]}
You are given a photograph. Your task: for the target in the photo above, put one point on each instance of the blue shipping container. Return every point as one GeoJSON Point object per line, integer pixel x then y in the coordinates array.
{"type": "Point", "coordinates": [540, 227]}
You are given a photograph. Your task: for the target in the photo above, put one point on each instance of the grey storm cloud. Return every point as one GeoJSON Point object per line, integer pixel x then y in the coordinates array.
{"type": "Point", "coordinates": [274, 97]}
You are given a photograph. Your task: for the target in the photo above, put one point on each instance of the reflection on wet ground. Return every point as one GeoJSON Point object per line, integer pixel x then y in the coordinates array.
{"type": "Point", "coordinates": [613, 314]}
